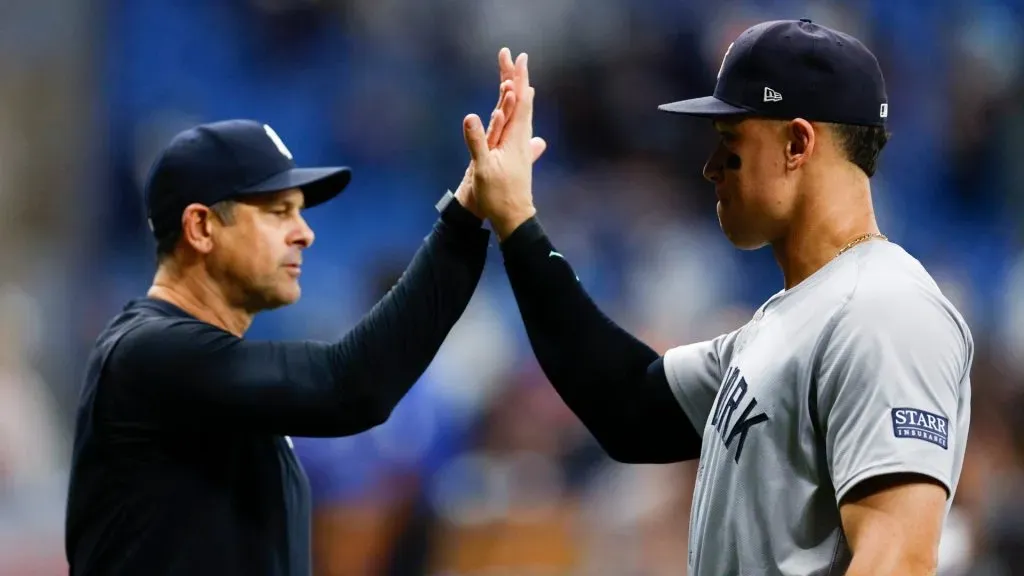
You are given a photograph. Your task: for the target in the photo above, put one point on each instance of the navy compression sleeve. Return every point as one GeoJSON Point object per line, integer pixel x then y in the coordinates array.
{"type": "Point", "coordinates": [614, 383]}
{"type": "Point", "coordinates": [190, 369]}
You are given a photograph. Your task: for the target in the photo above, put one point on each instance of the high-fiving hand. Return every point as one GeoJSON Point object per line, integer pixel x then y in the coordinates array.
{"type": "Point", "coordinates": [502, 111]}
{"type": "Point", "coordinates": [502, 158]}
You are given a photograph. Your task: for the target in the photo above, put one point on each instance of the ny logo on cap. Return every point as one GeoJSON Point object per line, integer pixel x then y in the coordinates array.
{"type": "Point", "coordinates": [277, 141]}
{"type": "Point", "coordinates": [771, 95]}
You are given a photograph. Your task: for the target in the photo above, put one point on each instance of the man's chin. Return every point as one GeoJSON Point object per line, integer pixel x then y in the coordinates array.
{"type": "Point", "coordinates": [279, 299]}
{"type": "Point", "coordinates": [290, 297]}
{"type": "Point", "coordinates": [740, 241]}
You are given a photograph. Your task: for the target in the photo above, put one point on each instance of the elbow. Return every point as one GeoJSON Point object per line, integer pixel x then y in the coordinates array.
{"type": "Point", "coordinates": [628, 457]}
{"type": "Point", "coordinates": [375, 413]}
{"type": "Point", "coordinates": [358, 417]}
{"type": "Point", "coordinates": [639, 451]}
{"type": "Point", "coordinates": [648, 439]}
{"type": "Point", "coordinates": [925, 564]}
{"type": "Point", "coordinates": [380, 415]}
{"type": "Point", "coordinates": [623, 452]}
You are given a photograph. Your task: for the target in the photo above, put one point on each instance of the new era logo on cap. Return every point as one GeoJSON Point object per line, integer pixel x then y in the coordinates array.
{"type": "Point", "coordinates": [825, 75]}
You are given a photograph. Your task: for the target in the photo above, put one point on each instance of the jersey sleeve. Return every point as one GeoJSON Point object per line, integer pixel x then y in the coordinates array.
{"type": "Point", "coordinates": [694, 373]}
{"type": "Point", "coordinates": [890, 391]}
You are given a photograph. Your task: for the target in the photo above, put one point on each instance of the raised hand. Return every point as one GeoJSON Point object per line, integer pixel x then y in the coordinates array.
{"type": "Point", "coordinates": [499, 116]}
{"type": "Point", "coordinates": [503, 164]}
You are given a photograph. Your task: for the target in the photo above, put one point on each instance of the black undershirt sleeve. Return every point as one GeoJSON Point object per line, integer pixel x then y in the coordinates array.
{"type": "Point", "coordinates": [193, 370]}
{"type": "Point", "coordinates": [614, 383]}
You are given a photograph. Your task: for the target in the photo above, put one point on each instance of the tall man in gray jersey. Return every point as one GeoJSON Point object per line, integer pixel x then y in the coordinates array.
{"type": "Point", "coordinates": [831, 427]}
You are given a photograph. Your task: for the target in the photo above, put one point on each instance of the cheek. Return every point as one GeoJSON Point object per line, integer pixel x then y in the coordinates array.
{"type": "Point", "coordinates": [757, 179]}
{"type": "Point", "coordinates": [265, 248]}
{"type": "Point", "coordinates": [248, 251]}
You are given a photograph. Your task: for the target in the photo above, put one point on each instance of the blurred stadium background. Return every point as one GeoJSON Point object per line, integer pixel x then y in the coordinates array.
{"type": "Point", "coordinates": [482, 470]}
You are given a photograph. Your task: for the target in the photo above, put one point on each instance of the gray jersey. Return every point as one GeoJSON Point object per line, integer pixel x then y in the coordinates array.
{"type": "Point", "coordinates": [861, 370]}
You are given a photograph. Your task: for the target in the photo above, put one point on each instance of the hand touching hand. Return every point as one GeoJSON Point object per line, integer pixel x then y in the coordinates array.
{"type": "Point", "coordinates": [502, 111]}
{"type": "Point", "coordinates": [503, 163]}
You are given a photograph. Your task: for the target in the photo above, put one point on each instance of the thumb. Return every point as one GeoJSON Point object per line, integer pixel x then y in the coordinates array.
{"type": "Point", "coordinates": [537, 148]}
{"type": "Point", "coordinates": [476, 140]}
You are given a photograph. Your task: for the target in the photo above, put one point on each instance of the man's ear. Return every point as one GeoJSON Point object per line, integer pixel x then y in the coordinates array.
{"type": "Point", "coordinates": [800, 143]}
{"type": "Point", "coordinates": [197, 227]}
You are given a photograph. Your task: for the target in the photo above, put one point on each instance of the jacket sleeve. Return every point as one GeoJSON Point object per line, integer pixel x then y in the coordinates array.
{"type": "Point", "coordinates": [193, 370]}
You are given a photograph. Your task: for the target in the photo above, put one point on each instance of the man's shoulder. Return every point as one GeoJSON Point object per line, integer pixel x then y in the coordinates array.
{"type": "Point", "coordinates": [887, 269]}
{"type": "Point", "coordinates": [894, 291]}
{"type": "Point", "coordinates": [146, 324]}
{"type": "Point", "coordinates": [891, 278]}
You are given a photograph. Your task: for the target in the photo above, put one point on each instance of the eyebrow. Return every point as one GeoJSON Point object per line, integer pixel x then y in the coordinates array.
{"type": "Point", "coordinates": [287, 201]}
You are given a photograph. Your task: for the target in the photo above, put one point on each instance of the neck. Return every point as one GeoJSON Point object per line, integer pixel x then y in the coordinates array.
{"type": "Point", "coordinates": [195, 292]}
{"type": "Point", "coordinates": [821, 226]}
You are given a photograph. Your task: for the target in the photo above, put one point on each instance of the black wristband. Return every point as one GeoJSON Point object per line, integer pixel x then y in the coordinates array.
{"type": "Point", "coordinates": [454, 213]}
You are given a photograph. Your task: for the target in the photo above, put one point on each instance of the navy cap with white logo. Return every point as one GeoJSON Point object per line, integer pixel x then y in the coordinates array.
{"type": "Point", "coordinates": [225, 160]}
{"type": "Point", "coordinates": [795, 69]}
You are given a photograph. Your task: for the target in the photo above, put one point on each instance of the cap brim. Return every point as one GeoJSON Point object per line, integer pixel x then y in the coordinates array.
{"type": "Point", "coordinates": [706, 107]}
{"type": "Point", "coordinates": [318, 185]}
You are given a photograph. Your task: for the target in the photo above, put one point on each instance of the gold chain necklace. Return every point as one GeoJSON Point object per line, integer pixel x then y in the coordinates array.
{"type": "Point", "coordinates": [860, 239]}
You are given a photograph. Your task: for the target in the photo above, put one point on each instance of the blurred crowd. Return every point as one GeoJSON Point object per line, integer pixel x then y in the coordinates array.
{"type": "Point", "coordinates": [482, 469]}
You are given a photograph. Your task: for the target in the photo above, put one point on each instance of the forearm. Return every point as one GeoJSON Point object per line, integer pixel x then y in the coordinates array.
{"type": "Point", "coordinates": [883, 548]}
{"type": "Point", "coordinates": [611, 381]}
{"type": "Point", "coordinates": [380, 359]}
{"type": "Point", "coordinates": [893, 524]}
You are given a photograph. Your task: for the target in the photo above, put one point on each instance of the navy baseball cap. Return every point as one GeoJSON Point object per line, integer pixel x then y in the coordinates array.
{"type": "Point", "coordinates": [795, 69]}
{"type": "Point", "coordinates": [226, 160]}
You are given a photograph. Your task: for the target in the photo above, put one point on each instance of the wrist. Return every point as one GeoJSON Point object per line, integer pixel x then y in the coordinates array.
{"type": "Point", "coordinates": [467, 201]}
{"type": "Point", "coordinates": [454, 212]}
{"type": "Point", "coordinates": [506, 225]}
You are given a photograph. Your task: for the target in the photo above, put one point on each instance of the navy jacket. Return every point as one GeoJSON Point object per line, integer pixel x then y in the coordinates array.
{"type": "Point", "coordinates": [182, 459]}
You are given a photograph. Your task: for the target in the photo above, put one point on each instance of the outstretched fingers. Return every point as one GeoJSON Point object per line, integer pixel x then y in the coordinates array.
{"type": "Point", "coordinates": [500, 115]}
{"type": "Point", "coordinates": [476, 139]}
{"type": "Point", "coordinates": [520, 125]}
{"type": "Point", "coordinates": [505, 105]}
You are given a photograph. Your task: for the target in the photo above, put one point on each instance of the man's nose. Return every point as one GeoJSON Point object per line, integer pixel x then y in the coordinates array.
{"type": "Point", "coordinates": [714, 166]}
{"type": "Point", "coordinates": [305, 234]}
